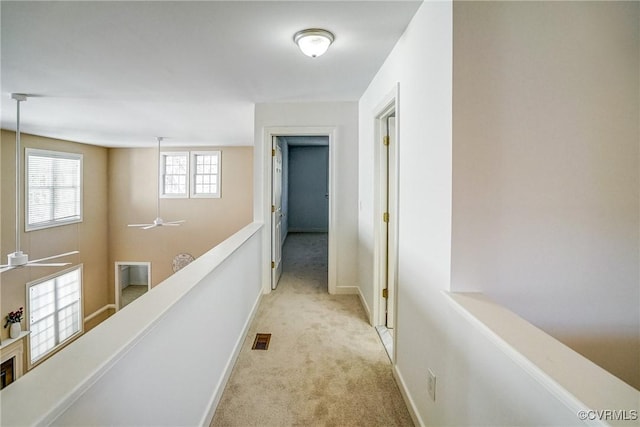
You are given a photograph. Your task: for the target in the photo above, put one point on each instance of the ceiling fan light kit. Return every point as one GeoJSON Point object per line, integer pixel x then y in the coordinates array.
{"type": "Point", "coordinates": [19, 258]}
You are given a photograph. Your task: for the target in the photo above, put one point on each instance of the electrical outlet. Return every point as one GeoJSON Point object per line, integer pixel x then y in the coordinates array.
{"type": "Point", "coordinates": [431, 385]}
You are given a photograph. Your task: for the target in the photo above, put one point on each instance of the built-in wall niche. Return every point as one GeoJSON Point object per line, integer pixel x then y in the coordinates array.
{"type": "Point", "coordinates": [132, 280]}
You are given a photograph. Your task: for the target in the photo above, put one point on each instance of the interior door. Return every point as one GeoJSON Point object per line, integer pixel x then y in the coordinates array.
{"type": "Point", "coordinates": [276, 214]}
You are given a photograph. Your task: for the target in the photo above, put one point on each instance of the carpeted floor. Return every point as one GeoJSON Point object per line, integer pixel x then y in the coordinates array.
{"type": "Point", "coordinates": [325, 365]}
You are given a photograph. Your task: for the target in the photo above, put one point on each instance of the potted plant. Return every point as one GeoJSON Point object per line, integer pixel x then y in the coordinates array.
{"type": "Point", "coordinates": [14, 318]}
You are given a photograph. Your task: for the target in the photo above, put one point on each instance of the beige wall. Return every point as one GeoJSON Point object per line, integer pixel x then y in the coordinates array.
{"type": "Point", "coordinates": [546, 169]}
{"type": "Point", "coordinates": [111, 201]}
{"type": "Point", "coordinates": [89, 237]}
{"type": "Point", "coordinates": [132, 200]}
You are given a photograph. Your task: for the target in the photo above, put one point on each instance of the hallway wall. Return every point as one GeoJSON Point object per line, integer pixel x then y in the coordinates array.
{"type": "Point", "coordinates": [481, 380]}
{"type": "Point", "coordinates": [546, 171]}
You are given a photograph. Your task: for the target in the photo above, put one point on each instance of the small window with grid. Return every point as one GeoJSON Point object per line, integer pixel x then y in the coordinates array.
{"type": "Point", "coordinates": [205, 174]}
{"type": "Point", "coordinates": [174, 170]}
{"type": "Point", "coordinates": [55, 312]}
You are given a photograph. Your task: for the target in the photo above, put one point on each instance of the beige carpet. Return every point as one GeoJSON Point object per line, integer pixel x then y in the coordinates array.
{"type": "Point", "coordinates": [325, 365]}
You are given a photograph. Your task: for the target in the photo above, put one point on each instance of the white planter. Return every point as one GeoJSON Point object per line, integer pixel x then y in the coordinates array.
{"type": "Point", "coordinates": [14, 330]}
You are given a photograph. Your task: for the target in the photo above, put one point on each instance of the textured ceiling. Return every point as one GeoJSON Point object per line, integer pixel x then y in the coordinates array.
{"type": "Point", "coordinates": [122, 73]}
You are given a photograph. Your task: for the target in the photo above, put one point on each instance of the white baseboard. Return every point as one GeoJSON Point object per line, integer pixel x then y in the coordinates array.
{"type": "Point", "coordinates": [347, 290]}
{"type": "Point", "coordinates": [411, 406]}
{"type": "Point", "coordinates": [217, 395]}
{"type": "Point", "coordinates": [363, 301]}
{"type": "Point", "coordinates": [100, 311]}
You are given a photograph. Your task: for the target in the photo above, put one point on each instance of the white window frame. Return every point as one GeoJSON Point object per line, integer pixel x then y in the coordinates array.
{"type": "Point", "coordinates": [161, 172]}
{"type": "Point", "coordinates": [51, 222]}
{"type": "Point", "coordinates": [58, 344]}
{"type": "Point", "coordinates": [194, 173]}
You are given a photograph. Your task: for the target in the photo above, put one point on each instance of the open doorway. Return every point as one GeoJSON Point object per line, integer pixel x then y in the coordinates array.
{"type": "Point", "coordinates": [132, 280]}
{"type": "Point", "coordinates": [386, 235]}
{"type": "Point", "coordinates": [300, 195]}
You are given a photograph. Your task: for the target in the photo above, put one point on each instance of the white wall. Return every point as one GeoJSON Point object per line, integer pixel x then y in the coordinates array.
{"type": "Point", "coordinates": [545, 169]}
{"type": "Point", "coordinates": [343, 117]}
{"type": "Point", "coordinates": [145, 366]}
{"type": "Point", "coordinates": [421, 63]}
{"type": "Point", "coordinates": [482, 379]}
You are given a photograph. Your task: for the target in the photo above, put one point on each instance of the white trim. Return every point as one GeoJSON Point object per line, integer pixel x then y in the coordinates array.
{"type": "Point", "coordinates": [161, 168]}
{"type": "Point", "coordinates": [99, 312]}
{"type": "Point", "coordinates": [568, 376]}
{"type": "Point", "coordinates": [382, 258]}
{"type": "Point", "coordinates": [365, 306]}
{"type": "Point", "coordinates": [268, 134]}
{"type": "Point", "coordinates": [60, 345]}
{"type": "Point", "coordinates": [193, 171]}
{"type": "Point", "coordinates": [404, 391]}
{"type": "Point", "coordinates": [219, 389]}
{"type": "Point", "coordinates": [14, 348]}
{"type": "Point", "coordinates": [117, 277]}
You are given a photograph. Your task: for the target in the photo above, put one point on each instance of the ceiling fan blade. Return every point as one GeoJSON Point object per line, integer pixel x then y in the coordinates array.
{"type": "Point", "coordinates": [52, 264]}
{"type": "Point", "coordinates": [53, 256]}
{"type": "Point", "coordinates": [149, 226]}
{"type": "Point", "coordinates": [6, 268]}
{"type": "Point", "coordinates": [139, 225]}
{"type": "Point", "coordinates": [174, 222]}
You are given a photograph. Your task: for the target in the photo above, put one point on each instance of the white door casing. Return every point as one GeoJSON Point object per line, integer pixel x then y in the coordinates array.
{"type": "Point", "coordinates": [266, 158]}
{"type": "Point", "coordinates": [386, 172]}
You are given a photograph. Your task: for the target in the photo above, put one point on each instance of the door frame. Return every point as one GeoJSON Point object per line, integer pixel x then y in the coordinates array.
{"type": "Point", "coordinates": [386, 252]}
{"type": "Point", "coordinates": [269, 134]}
{"type": "Point", "coordinates": [117, 277]}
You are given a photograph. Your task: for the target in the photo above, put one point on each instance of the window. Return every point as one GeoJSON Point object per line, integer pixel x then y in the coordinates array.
{"type": "Point", "coordinates": [54, 188]}
{"type": "Point", "coordinates": [55, 312]}
{"type": "Point", "coordinates": [206, 174]}
{"type": "Point", "coordinates": [174, 178]}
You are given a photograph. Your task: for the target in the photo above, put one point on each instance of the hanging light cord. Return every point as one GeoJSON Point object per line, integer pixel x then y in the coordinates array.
{"type": "Point", "coordinates": [18, 98]}
{"type": "Point", "coordinates": [158, 186]}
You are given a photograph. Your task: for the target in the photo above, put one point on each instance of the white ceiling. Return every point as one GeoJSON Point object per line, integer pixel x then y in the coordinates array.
{"type": "Point", "coordinates": [121, 73]}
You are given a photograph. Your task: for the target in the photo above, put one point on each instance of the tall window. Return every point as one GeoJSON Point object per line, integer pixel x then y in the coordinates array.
{"type": "Point", "coordinates": [54, 188]}
{"type": "Point", "coordinates": [206, 174]}
{"type": "Point", "coordinates": [55, 311]}
{"type": "Point", "coordinates": [174, 174]}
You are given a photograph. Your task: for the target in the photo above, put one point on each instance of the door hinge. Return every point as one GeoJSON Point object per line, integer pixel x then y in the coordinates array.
{"type": "Point", "coordinates": [385, 217]}
{"type": "Point", "coordinates": [273, 264]}
{"type": "Point", "coordinates": [273, 208]}
{"type": "Point", "coordinates": [385, 293]}
{"type": "Point", "coordinates": [385, 140]}
{"type": "Point", "coordinates": [273, 152]}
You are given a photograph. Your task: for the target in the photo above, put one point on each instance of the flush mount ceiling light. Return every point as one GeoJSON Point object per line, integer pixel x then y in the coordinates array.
{"type": "Point", "coordinates": [313, 42]}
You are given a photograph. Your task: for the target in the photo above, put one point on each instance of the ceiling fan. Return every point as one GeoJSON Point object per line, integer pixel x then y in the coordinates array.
{"type": "Point", "coordinates": [158, 222]}
{"type": "Point", "coordinates": [19, 258]}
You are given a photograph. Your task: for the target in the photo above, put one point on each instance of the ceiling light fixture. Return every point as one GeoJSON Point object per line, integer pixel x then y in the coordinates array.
{"type": "Point", "coordinates": [313, 42]}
